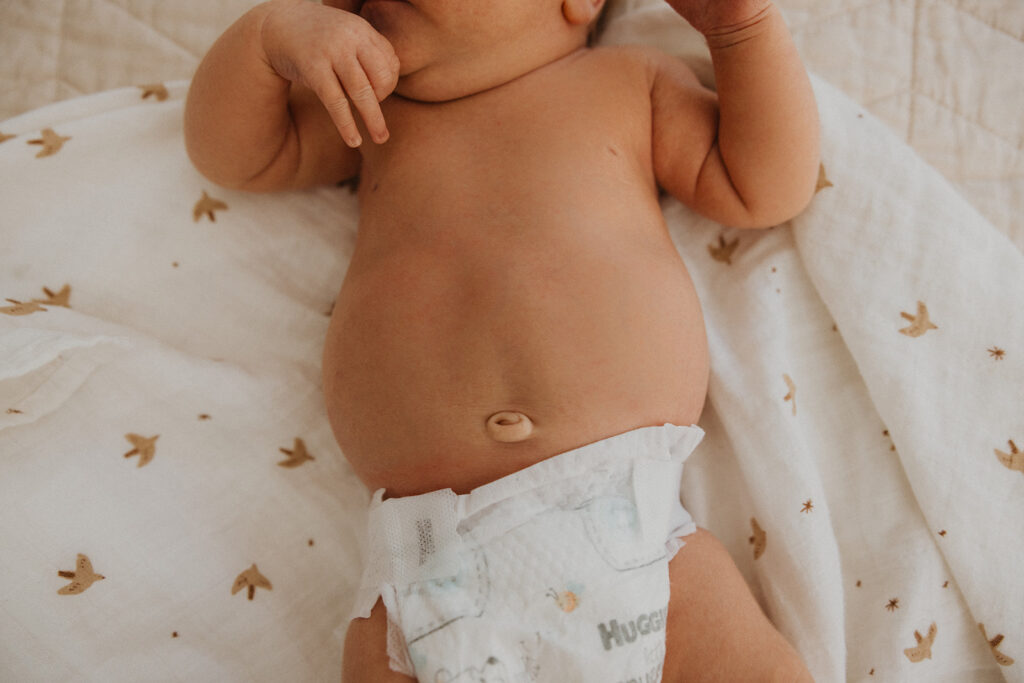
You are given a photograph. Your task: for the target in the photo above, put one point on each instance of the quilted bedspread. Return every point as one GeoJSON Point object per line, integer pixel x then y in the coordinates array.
{"type": "Point", "coordinates": [174, 506]}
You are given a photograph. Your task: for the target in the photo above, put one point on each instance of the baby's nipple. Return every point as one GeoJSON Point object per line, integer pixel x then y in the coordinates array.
{"type": "Point", "coordinates": [509, 426]}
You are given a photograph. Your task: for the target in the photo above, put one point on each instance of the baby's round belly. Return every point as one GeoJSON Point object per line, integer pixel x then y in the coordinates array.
{"type": "Point", "coordinates": [452, 372]}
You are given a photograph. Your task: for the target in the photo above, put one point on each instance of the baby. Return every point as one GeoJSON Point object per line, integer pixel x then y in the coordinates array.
{"type": "Point", "coordinates": [517, 358]}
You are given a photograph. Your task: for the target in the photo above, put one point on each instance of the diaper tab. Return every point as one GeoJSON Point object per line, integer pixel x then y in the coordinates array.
{"type": "Point", "coordinates": [656, 495]}
{"type": "Point", "coordinates": [409, 539]}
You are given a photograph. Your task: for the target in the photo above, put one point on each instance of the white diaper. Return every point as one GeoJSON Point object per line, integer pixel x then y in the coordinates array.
{"type": "Point", "coordinates": [558, 572]}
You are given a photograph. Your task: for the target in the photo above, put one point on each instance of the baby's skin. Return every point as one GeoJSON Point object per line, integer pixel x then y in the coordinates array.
{"type": "Point", "coordinates": [514, 292]}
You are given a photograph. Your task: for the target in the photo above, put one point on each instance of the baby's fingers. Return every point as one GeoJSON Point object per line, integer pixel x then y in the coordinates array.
{"type": "Point", "coordinates": [362, 94]}
{"type": "Point", "coordinates": [333, 98]}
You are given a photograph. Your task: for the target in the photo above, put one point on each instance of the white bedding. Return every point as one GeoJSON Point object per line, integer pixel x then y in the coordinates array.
{"type": "Point", "coordinates": [869, 457]}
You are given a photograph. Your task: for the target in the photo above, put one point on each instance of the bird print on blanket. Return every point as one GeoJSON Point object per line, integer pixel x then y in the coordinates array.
{"type": "Point", "coordinates": [759, 539]}
{"type": "Point", "coordinates": [723, 252]}
{"type": "Point", "coordinates": [920, 323]}
{"type": "Point", "coordinates": [207, 206]}
{"type": "Point", "coordinates": [993, 644]}
{"type": "Point", "coordinates": [251, 579]}
{"type": "Point", "coordinates": [923, 649]}
{"type": "Point", "coordinates": [1014, 460]}
{"type": "Point", "coordinates": [297, 455]}
{"type": "Point", "coordinates": [60, 298]}
{"type": "Point", "coordinates": [823, 180]}
{"type": "Point", "coordinates": [4, 137]}
{"type": "Point", "coordinates": [50, 141]}
{"type": "Point", "coordinates": [144, 447]}
{"type": "Point", "coordinates": [81, 578]}
{"type": "Point", "coordinates": [156, 90]}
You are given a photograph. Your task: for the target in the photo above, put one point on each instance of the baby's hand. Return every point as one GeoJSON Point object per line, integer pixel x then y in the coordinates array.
{"type": "Point", "coordinates": [337, 55]}
{"type": "Point", "coordinates": [712, 16]}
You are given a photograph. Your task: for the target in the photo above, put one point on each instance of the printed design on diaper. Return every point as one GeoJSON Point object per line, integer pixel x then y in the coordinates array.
{"type": "Point", "coordinates": [431, 605]}
{"type": "Point", "coordinates": [614, 527]}
{"type": "Point", "coordinates": [491, 671]}
{"type": "Point", "coordinates": [654, 659]}
{"type": "Point", "coordinates": [569, 599]}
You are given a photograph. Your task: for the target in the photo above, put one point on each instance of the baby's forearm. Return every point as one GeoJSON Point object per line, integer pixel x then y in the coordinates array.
{"type": "Point", "coordinates": [768, 120]}
{"type": "Point", "coordinates": [236, 114]}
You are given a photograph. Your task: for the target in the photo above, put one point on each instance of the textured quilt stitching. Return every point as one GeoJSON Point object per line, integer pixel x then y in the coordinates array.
{"type": "Point", "coordinates": [151, 27]}
{"type": "Point", "coordinates": [983, 20]}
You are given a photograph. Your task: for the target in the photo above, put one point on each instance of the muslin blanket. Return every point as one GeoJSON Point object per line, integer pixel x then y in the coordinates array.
{"type": "Point", "coordinates": [175, 506]}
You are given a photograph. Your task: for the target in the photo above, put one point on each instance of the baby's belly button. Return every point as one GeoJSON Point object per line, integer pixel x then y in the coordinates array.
{"type": "Point", "coordinates": [509, 426]}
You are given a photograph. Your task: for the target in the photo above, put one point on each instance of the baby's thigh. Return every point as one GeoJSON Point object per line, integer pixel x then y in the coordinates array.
{"type": "Point", "coordinates": [715, 629]}
{"type": "Point", "coordinates": [365, 659]}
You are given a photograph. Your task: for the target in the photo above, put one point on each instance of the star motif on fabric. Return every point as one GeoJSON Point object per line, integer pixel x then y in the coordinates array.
{"type": "Point", "coordinates": [893, 604]}
{"type": "Point", "coordinates": [920, 323]}
{"type": "Point", "coordinates": [723, 252]}
{"type": "Point", "coordinates": [996, 352]}
{"type": "Point", "coordinates": [251, 579]}
{"type": "Point", "coordinates": [206, 206]}
{"type": "Point", "coordinates": [808, 506]}
{"type": "Point", "coordinates": [145, 448]}
{"type": "Point", "coordinates": [51, 142]}
{"type": "Point", "coordinates": [81, 578]}
{"type": "Point", "coordinates": [296, 456]}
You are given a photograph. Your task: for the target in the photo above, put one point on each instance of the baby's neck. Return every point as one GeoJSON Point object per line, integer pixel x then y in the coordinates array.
{"type": "Point", "coordinates": [447, 83]}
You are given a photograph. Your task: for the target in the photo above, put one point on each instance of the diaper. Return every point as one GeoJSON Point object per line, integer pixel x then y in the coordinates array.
{"type": "Point", "coordinates": [557, 572]}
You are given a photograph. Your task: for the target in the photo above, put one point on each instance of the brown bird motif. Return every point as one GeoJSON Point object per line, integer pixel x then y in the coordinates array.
{"type": "Point", "coordinates": [993, 644]}
{"type": "Point", "coordinates": [157, 90]}
{"type": "Point", "coordinates": [81, 578]}
{"type": "Point", "coordinates": [51, 142]}
{"type": "Point", "coordinates": [791, 396]}
{"type": "Point", "coordinates": [759, 539]}
{"type": "Point", "coordinates": [145, 448]}
{"type": "Point", "coordinates": [923, 649]}
{"type": "Point", "coordinates": [251, 579]}
{"type": "Point", "coordinates": [823, 180]}
{"type": "Point", "coordinates": [723, 252]}
{"type": "Point", "coordinates": [1013, 460]}
{"type": "Point", "coordinates": [206, 206]}
{"type": "Point", "coordinates": [20, 308]}
{"type": "Point", "coordinates": [61, 298]}
{"type": "Point", "coordinates": [920, 323]}
{"type": "Point", "coordinates": [296, 456]}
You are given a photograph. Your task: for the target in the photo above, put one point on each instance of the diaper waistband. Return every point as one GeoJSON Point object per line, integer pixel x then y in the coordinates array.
{"type": "Point", "coordinates": [414, 538]}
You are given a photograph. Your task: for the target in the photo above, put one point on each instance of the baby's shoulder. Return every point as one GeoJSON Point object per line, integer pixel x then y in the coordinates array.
{"type": "Point", "coordinates": [632, 61]}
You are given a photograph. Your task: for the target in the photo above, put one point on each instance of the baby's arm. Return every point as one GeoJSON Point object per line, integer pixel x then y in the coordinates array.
{"type": "Point", "coordinates": [757, 163]}
{"type": "Point", "coordinates": [272, 101]}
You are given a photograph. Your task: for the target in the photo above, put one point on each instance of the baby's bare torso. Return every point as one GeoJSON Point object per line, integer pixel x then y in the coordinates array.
{"type": "Point", "coordinates": [511, 256]}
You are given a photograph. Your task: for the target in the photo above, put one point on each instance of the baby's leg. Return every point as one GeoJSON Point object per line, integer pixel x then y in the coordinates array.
{"type": "Point", "coordinates": [366, 657]}
{"type": "Point", "coordinates": [715, 629]}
